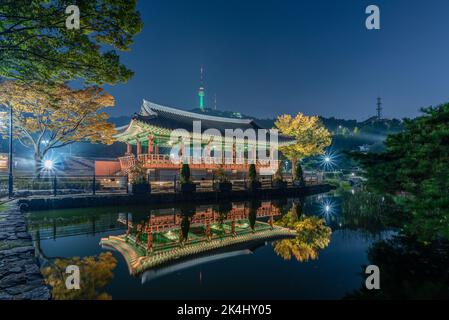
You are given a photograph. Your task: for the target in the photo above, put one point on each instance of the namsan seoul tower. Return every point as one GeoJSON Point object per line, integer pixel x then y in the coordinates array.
{"type": "Point", "coordinates": [201, 91]}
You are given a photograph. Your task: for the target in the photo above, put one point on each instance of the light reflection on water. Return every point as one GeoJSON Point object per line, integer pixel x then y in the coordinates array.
{"type": "Point", "coordinates": [315, 265]}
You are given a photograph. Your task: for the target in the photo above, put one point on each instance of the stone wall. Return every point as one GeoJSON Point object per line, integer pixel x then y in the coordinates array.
{"type": "Point", "coordinates": [85, 201]}
{"type": "Point", "coordinates": [20, 276]}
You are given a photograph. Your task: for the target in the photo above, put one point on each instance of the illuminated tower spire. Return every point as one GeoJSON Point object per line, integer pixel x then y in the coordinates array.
{"type": "Point", "coordinates": [201, 91]}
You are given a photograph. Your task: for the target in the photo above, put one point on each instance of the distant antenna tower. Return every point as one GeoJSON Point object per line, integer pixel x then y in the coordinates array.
{"type": "Point", "coordinates": [379, 108]}
{"type": "Point", "coordinates": [201, 91]}
{"type": "Point", "coordinates": [215, 102]}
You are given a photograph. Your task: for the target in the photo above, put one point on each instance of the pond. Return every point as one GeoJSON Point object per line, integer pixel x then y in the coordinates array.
{"type": "Point", "coordinates": [324, 262]}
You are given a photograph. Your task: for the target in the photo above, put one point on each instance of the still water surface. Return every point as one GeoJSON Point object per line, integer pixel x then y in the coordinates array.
{"type": "Point", "coordinates": [335, 271]}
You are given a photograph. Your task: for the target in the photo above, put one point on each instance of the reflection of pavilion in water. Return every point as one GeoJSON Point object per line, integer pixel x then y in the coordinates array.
{"type": "Point", "coordinates": [160, 232]}
{"type": "Point", "coordinates": [167, 238]}
{"type": "Point", "coordinates": [155, 273]}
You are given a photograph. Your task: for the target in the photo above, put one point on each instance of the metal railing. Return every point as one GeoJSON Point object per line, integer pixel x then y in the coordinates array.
{"type": "Point", "coordinates": [26, 185]}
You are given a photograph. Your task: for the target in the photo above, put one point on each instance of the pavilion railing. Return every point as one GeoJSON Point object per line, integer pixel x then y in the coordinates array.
{"type": "Point", "coordinates": [163, 161]}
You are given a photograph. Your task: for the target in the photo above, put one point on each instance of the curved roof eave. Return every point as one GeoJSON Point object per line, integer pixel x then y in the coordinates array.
{"type": "Point", "coordinates": [150, 108]}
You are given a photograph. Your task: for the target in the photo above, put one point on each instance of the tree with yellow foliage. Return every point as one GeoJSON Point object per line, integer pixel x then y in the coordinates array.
{"type": "Point", "coordinates": [95, 273]}
{"type": "Point", "coordinates": [312, 236]}
{"type": "Point", "coordinates": [50, 117]}
{"type": "Point", "coordinates": [310, 134]}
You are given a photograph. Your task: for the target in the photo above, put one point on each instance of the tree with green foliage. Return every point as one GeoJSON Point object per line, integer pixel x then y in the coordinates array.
{"type": "Point", "coordinates": [138, 174]}
{"type": "Point", "coordinates": [414, 171]}
{"type": "Point", "coordinates": [299, 174]}
{"type": "Point", "coordinates": [369, 212]}
{"type": "Point", "coordinates": [220, 175]}
{"type": "Point", "coordinates": [279, 174]}
{"type": "Point", "coordinates": [253, 181]}
{"type": "Point", "coordinates": [254, 206]}
{"type": "Point", "coordinates": [252, 173]}
{"type": "Point", "coordinates": [185, 173]}
{"type": "Point", "coordinates": [185, 228]}
{"type": "Point", "coordinates": [410, 270]}
{"type": "Point", "coordinates": [36, 45]}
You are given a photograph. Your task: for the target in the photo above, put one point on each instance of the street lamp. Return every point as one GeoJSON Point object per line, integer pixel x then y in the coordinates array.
{"type": "Point", "coordinates": [10, 168]}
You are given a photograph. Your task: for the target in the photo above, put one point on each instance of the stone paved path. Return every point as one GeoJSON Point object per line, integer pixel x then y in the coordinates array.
{"type": "Point", "coordinates": [20, 277]}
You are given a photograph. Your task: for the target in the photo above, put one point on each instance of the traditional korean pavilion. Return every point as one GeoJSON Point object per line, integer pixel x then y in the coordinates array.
{"type": "Point", "coordinates": [148, 140]}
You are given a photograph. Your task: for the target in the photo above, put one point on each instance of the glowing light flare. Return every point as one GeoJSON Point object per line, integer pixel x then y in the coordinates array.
{"type": "Point", "coordinates": [327, 209]}
{"type": "Point", "coordinates": [329, 160]}
{"type": "Point", "coordinates": [48, 164]}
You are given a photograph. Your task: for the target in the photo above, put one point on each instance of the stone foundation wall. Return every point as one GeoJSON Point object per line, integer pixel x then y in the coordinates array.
{"type": "Point", "coordinates": [20, 276]}
{"type": "Point", "coordinates": [84, 201]}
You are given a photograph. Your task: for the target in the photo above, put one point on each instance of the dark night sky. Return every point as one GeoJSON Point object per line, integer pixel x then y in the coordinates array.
{"type": "Point", "coordinates": [268, 57]}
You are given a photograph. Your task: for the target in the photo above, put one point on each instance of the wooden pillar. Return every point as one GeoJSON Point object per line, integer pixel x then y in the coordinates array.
{"type": "Point", "coordinates": [139, 147]}
{"type": "Point", "coordinates": [208, 233]}
{"type": "Point", "coordinates": [223, 148]}
{"type": "Point", "coordinates": [206, 153]}
{"type": "Point", "coordinates": [150, 145]}
{"type": "Point", "coordinates": [183, 151]}
{"type": "Point", "coordinates": [149, 240]}
{"type": "Point", "coordinates": [129, 149]}
{"type": "Point", "coordinates": [255, 154]}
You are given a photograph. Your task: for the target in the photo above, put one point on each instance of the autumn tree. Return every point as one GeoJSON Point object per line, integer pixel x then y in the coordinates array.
{"type": "Point", "coordinates": [36, 45]}
{"type": "Point", "coordinates": [311, 137]}
{"type": "Point", "coordinates": [312, 235]}
{"type": "Point", "coordinates": [51, 117]}
{"type": "Point", "coordinates": [95, 273]}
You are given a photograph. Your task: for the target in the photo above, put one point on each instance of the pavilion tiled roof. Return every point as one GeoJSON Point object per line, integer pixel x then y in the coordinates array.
{"type": "Point", "coordinates": [170, 118]}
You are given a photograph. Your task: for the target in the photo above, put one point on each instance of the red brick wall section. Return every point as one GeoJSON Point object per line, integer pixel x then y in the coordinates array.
{"type": "Point", "coordinates": [106, 168]}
